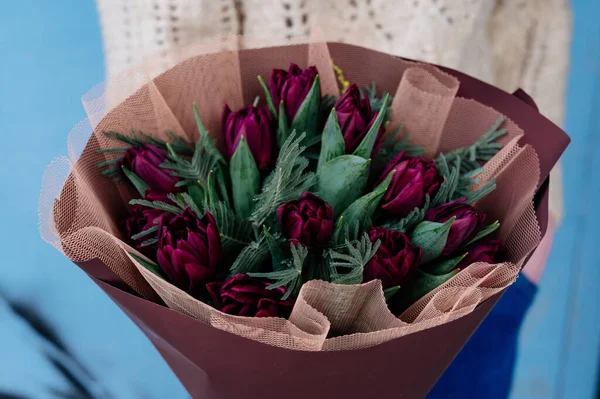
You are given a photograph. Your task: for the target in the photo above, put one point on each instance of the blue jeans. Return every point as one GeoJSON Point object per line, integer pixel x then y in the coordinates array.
{"type": "Point", "coordinates": [484, 368]}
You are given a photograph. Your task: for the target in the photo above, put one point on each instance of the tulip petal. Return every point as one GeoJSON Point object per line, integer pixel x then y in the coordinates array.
{"type": "Point", "coordinates": [167, 267]}
{"type": "Point", "coordinates": [214, 290]}
{"type": "Point", "coordinates": [198, 275]}
{"type": "Point", "coordinates": [153, 175]}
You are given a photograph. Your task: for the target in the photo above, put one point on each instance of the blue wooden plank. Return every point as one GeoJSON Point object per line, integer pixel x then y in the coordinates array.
{"type": "Point", "coordinates": [50, 54]}
{"type": "Point", "coordinates": [579, 359]}
{"type": "Point", "coordinates": [560, 340]}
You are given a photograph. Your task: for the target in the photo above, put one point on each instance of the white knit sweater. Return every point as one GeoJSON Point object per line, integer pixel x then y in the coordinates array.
{"type": "Point", "coordinates": [509, 43]}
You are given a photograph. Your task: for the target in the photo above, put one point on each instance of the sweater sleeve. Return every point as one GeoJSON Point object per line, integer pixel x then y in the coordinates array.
{"type": "Point", "coordinates": [537, 35]}
{"type": "Point", "coordinates": [135, 29]}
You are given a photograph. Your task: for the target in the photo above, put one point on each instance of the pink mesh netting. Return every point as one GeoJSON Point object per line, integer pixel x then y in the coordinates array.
{"type": "Point", "coordinates": [80, 210]}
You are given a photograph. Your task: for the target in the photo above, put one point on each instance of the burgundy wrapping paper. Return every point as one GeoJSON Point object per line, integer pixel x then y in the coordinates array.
{"type": "Point", "coordinates": [213, 364]}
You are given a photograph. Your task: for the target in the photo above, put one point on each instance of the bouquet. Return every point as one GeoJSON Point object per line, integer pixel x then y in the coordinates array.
{"type": "Point", "coordinates": [308, 230]}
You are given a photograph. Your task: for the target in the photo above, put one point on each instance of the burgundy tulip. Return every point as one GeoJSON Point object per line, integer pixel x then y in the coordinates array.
{"type": "Point", "coordinates": [142, 218]}
{"type": "Point", "coordinates": [467, 224]}
{"type": "Point", "coordinates": [482, 252]}
{"type": "Point", "coordinates": [291, 87]}
{"type": "Point", "coordinates": [189, 249]}
{"type": "Point", "coordinates": [395, 260]}
{"type": "Point", "coordinates": [255, 124]}
{"type": "Point", "coordinates": [355, 117]}
{"type": "Point", "coordinates": [414, 178]}
{"type": "Point", "coordinates": [307, 220]}
{"type": "Point", "coordinates": [145, 160]}
{"type": "Point", "coordinates": [243, 295]}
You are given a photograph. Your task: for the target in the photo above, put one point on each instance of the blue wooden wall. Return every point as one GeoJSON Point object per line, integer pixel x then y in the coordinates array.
{"type": "Point", "coordinates": [560, 341]}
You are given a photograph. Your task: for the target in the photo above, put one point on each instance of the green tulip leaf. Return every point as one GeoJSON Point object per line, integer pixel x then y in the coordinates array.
{"type": "Point", "coordinates": [283, 130]}
{"type": "Point", "coordinates": [196, 193]}
{"type": "Point", "coordinates": [245, 179]}
{"type": "Point", "coordinates": [268, 97]}
{"type": "Point", "coordinates": [210, 195]}
{"type": "Point", "coordinates": [444, 266]}
{"type": "Point", "coordinates": [307, 117]}
{"type": "Point", "coordinates": [332, 141]}
{"type": "Point", "coordinates": [342, 180]}
{"type": "Point", "coordinates": [361, 211]}
{"type": "Point", "coordinates": [205, 141]}
{"type": "Point", "coordinates": [365, 148]}
{"type": "Point", "coordinates": [431, 237]}
{"type": "Point", "coordinates": [137, 182]}
{"type": "Point", "coordinates": [388, 293]}
{"type": "Point", "coordinates": [485, 231]}
{"type": "Point", "coordinates": [222, 184]}
{"type": "Point", "coordinates": [419, 285]}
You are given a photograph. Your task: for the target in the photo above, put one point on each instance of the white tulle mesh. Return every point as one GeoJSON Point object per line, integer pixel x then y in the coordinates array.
{"type": "Point", "coordinates": [81, 211]}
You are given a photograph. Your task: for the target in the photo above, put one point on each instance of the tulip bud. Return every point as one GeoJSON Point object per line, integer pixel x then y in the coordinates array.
{"type": "Point", "coordinates": [144, 161]}
{"type": "Point", "coordinates": [355, 117]}
{"type": "Point", "coordinates": [189, 249]}
{"type": "Point", "coordinates": [242, 295]}
{"type": "Point", "coordinates": [141, 219]}
{"type": "Point", "coordinates": [307, 220]}
{"type": "Point", "coordinates": [255, 124]}
{"type": "Point", "coordinates": [414, 179]}
{"type": "Point", "coordinates": [482, 252]}
{"type": "Point", "coordinates": [468, 221]}
{"type": "Point", "coordinates": [396, 258]}
{"type": "Point", "coordinates": [291, 87]}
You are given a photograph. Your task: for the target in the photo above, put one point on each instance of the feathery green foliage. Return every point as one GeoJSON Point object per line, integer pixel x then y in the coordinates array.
{"type": "Point", "coordinates": [276, 244]}
{"type": "Point", "coordinates": [137, 138]}
{"type": "Point", "coordinates": [163, 206]}
{"type": "Point", "coordinates": [376, 102]}
{"type": "Point", "coordinates": [289, 277]}
{"type": "Point", "coordinates": [235, 232]}
{"type": "Point", "coordinates": [392, 146]}
{"type": "Point", "coordinates": [482, 150]}
{"type": "Point", "coordinates": [288, 180]}
{"type": "Point", "coordinates": [415, 217]}
{"type": "Point", "coordinates": [451, 179]}
{"type": "Point", "coordinates": [353, 260]}
{"type": "Point", "coordinates": [149, 242]}
{"type": "Point", "coordinates": [251, 257]}
{"type": "Point", "coordinates": [144, 233]}
{"type": "Point", "coordinates": [194, 170]}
